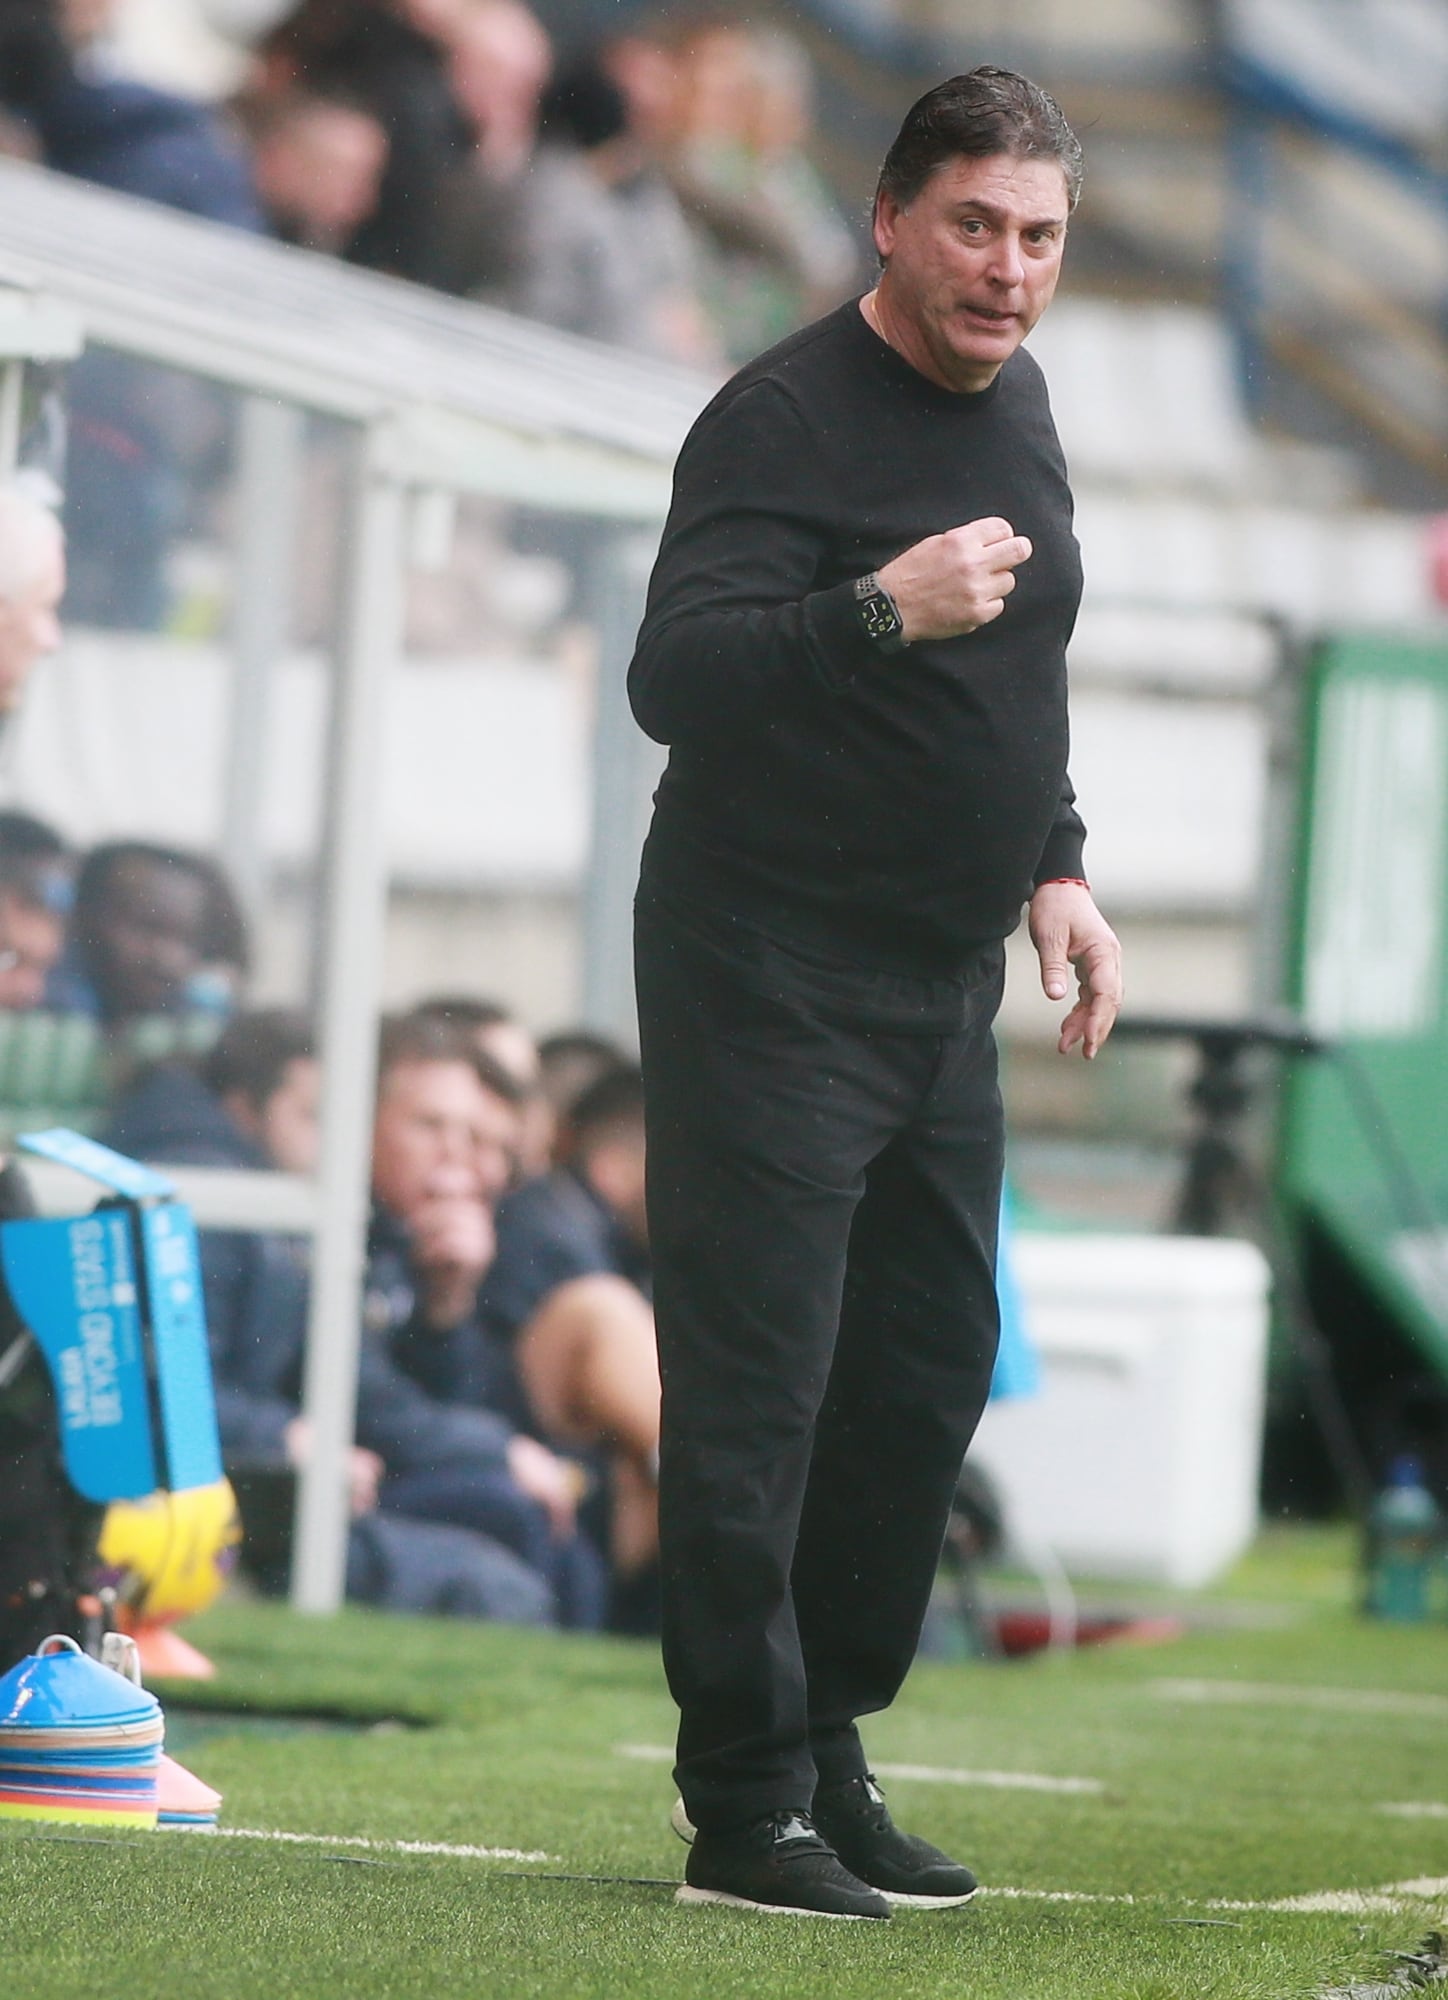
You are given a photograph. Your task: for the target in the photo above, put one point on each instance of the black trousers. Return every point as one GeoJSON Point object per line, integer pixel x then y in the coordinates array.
{"type": "Point", "coordinates": [823, 1206]}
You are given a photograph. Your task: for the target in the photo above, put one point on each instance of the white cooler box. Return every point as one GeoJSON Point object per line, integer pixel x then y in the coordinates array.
{"type": "Point", "coordinates": [1139, 1458]}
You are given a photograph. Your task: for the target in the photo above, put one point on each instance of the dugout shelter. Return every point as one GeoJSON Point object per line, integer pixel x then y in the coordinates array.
{"type": "Point", "coordinates": [435, 398]}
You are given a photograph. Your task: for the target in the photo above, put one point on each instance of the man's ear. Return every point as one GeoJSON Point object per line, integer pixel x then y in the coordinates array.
{"type": "Point", "coordinates": [883, 223]}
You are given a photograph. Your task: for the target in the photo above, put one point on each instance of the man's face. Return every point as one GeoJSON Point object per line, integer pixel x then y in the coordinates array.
{"type": "Point", "coordinates": [322, 171]}
{"type": "Point", "coordinates": [29, 625]}
{"type": "Point", "coordinates": [287, 1124]}
{"type": "Point", "coordinates": [31, 940]}
{"type": "Point", "coordinates": [971, 265]}
{"type": "Point", "coordinates": [439, 1134]}
{"type": "Point", "coordinates": [147, 937]}
{"type": "Point", "coordinates": [617, 1173]}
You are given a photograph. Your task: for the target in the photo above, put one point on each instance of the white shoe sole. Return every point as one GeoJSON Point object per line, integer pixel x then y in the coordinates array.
{"type": "Point", "coordinates": [689, 1894]}
{"type": "Point", "coordinates": [926, 1902]}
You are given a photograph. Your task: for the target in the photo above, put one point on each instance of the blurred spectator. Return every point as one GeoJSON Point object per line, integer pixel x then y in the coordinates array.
{"type": "Point", "coordinates": [775, 251]}
{"type": "Point", "coordinates": [647, 69]}
{"type": "Point", "coordinates": [568, 1063]}
{"type": "Point", "coordinates": [603, 246]}
{"type": "Point", "coordinates": [114, 131]}
{"type": "Point", "coordinates": [132, 425]}
{"type": "Point", "coordinates": [255, 1106]}
{"type": "Point", "coordinates": [566, 1301]}
{"type": "Point", "coordinates": [393, 59]}
{"type": "Point", "coordinates": [32, 583]}
{"type": "Point", "coordinates": [318, 162]}
{"type": "Point", "coordinates": [500, 1035]}
{"type": "Point", "coordinates": [155, 930]}
{"type": "Point", "coordinates": [35, 894]}
{"type": "Point", "coordinates": [442, 1153]}
{"type": "Point", "coordinates": [499, 60]}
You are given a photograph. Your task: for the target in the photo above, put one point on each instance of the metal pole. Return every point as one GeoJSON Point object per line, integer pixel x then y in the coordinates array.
{"type": "Point", "coordinates": [626, 767]}
{"type": "Point", "coordinates": [352, 916]}
{"type": "Point", "coordinates": [12, 398]}
{"type": "Point", "coordinates": [269, 447]}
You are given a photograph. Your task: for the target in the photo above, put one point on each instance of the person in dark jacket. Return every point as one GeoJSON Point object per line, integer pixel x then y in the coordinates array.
{"type": "Point", "coordinates": [254, 1105]}
{"type": "Point", "coordinates": [565, 1307]}
{"type": "Point", "coordinates": [389, 56]}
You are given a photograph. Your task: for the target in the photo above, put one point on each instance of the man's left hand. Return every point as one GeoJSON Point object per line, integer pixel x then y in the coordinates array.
{"type": "Point", "coordinates": [1069, 931]}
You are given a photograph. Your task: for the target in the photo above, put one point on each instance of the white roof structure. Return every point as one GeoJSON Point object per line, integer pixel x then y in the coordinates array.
{"type": "Point", "coordinates": [473, 399]}
{"type": "Point", "coordinates": [444, 395]}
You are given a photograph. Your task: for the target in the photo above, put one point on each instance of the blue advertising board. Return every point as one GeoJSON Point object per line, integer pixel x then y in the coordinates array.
{"type": "Point", "coordinates": [74, 1285]}
{"type": "Point", "coordinates": [113, 1300]}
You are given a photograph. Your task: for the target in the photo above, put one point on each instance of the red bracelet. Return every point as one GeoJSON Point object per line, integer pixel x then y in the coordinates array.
{"type": "Point", "coordinates": [1076, 881]}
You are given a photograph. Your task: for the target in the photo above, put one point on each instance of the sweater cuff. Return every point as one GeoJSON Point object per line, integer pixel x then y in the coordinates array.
{"type": "Point", "coordinates": [1061, 858]}
{"type": "Point", "coordinates": [839, 645]}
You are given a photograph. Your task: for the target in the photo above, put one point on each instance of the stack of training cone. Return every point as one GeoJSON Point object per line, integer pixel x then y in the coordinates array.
{"type": "Point", "coordinates": [78, 1742]}
{"type": "Point", "coordinates": [181, 1798]}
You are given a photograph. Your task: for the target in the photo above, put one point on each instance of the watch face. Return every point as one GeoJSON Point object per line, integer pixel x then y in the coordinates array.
{"type": "Point", "coordinates": [879, 615]}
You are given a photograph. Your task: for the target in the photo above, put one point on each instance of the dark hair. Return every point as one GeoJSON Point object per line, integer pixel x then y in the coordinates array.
{"type": "Point", "coordinates": [462, 1010]}
{"type": "Point", "coordinates": [223, 934]}
{"type": "Point", "coordinates": [986, 112]}
{"type": "Point", "coordinates": [253, 1053]}
{"type": "Point", "coordinates": [35, 864]}
{"type": "Point", "coordinates": [573, 1060]}
{"type": "Point", "coordinates": [611, 1106]}
{"type": "Point", "coordinates": [429, 1038]}
{"type": "Point", "coordinates": [583, 105]}
{"type": "Point", "coordinates": [35, 61]}
{"type": "Point", "coordinates": [263, 113]}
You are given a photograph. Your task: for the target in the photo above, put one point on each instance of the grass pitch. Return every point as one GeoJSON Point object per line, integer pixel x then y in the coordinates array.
{"type": "Point", "coordinates": [1242, 1767]}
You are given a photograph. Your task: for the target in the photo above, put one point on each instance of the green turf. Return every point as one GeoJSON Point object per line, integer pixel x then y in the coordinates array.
{"type": "Point", "coordinates": [513, 1742]}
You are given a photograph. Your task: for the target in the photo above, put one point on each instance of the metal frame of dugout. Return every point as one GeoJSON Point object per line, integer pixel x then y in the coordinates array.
{"type": "Point", "coordinates": [444, 397]}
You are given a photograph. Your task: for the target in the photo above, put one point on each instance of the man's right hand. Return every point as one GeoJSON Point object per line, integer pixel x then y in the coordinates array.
{"type": "Point", "coordinates": [453, 1244]}
{"type": "Point", "coordinates": [956, 582]}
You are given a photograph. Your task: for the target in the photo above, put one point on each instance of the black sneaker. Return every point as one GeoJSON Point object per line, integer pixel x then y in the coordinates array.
{"type": "Point", "coordinates": [855, 1820]}
{"type": "Point", "coordinates": [778, 1864]}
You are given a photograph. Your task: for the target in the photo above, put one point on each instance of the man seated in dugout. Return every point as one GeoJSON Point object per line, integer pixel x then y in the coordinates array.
{"type": "Point", "coordinates": [453, 1509]}
{"type": "Point", "coordinates": [567, 1324]}
{"type": "Point", "coordinates": [495, 1030]}
{"type": "Point", "coordinates": [154, 930]}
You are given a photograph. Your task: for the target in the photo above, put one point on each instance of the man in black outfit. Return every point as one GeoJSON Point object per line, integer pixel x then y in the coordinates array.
{"type": "Point", "coordinates": [855, 649]}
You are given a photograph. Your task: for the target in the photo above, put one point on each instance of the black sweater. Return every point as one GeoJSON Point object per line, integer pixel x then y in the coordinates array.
{"type": "Point", "coordinates": [900, 809]}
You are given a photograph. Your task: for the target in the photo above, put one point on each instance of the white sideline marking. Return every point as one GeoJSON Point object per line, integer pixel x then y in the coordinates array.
{"type": "Point", "coordinates": [1355, 1701]}
{"type": "Point", "coordinates": [464, 1853]}
{"type": "Point", "coordinates": [1005, 1781]}
{"type": "Point", "coordinates": [1056, 1895]}
{"type": "Point", "coordinates": [1390, 1900]}
{"type": "Point", "coordinates": [1393, 1899]}
{"type": "Point", "coordinates": [1417, 1809]}
{"type": "Point", "coordinates": [929, 1774]}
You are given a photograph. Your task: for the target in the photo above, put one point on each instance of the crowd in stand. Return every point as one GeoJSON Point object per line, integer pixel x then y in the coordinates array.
{"type": "Point", "coordinates": [654, 191]}
{"type": "Point", "coordinates": [507, 1415]}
